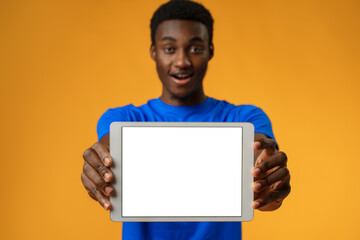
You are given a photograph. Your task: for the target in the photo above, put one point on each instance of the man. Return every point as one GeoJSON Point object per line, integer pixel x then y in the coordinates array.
{"type": "Point", "coordinates": [181, 34]}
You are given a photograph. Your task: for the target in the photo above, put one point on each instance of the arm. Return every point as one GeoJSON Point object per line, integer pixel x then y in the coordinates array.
{"type": "Point", "coordinates": [96, 175]}
{"type": "Point", "coordinates": [272, 177]}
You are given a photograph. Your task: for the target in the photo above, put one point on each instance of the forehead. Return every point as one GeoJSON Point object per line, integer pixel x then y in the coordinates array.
{"type": "Point", "coordinates": [180, 29]}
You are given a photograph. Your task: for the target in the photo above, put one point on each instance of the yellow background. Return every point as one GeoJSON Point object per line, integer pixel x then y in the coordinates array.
{"type": "Point", "coordinates": [63, 63]}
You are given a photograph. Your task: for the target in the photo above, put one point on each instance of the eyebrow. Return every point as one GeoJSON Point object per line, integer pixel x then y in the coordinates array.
{"type": "Point", "coordinates": [194, 39]}
{"type": "Point", "coordinates": [168, 38]}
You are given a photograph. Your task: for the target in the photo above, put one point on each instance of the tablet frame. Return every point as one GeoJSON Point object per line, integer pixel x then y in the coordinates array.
{"type": "Point", "coordinates": [247, 193]}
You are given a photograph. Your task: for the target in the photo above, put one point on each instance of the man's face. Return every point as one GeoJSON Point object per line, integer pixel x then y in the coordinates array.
{"type": "Point", "coordinates": [181, 53]}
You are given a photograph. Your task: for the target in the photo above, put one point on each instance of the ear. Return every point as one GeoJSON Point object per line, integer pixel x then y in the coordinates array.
{"type": "Point", "coordinates": [152, 52]}
{"type": "Point", "coordinates": [211, 52]}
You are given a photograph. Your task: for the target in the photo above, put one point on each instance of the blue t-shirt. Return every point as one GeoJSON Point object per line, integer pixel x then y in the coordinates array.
{"type": "Point", "coordinates": [211, 110]}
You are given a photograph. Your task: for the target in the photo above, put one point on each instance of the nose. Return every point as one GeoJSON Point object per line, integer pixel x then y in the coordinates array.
{"type": "Point", "coordinates": [182, 59]}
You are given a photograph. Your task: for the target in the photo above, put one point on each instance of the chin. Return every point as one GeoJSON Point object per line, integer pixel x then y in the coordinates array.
{"type": "Point", "coordinates": [181, 97]}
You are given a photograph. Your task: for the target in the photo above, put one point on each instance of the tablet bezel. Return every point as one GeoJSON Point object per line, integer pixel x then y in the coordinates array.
{"type": "Point", "coordinates": [247, 178]}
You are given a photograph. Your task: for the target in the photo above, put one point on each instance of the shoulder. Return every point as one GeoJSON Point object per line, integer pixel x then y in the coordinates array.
{"type": "Point", "coordinates": [128, 112]}
{"type": "Point", "coordinates": [247, 112]}
{"type": "Point", "coordinates": [118, 111]}
{"type": "Point", "coordinates": [240, 113]}
{"type": "Point", "coordinates": [118, 114]}
{"type": "Point", "coordinates": [254, 115]}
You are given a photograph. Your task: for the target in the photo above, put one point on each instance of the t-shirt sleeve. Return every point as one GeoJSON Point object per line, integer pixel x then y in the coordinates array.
{"type": "Point", "coordinates": [255, 115]}
{"type": "Point", "coordinates": [111, 115]}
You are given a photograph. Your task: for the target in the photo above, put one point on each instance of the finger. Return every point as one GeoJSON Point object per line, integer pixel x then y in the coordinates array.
{"type": "Point", "coordinates": [282, 184]}
{"type": "Point", "coordinates": [95, 193]}
{"type": "Point", "coordinates": [103, 153]}
{"type": "Point", "coordinates": [92, 196]}
{"type": "Point", "coordinates": [276, 176]}
{"type": "Point", "coordinates": [99, 181]}
{"type": "Point", "coordinates": [264, 154]}
{"type": "Point", "coordinates": [87, 182]}
{"type": "Point", "coordinates": [276, 194]}
{"type": "Point", "coordinates": [265, 143]}
{"type": "Point", "coordinates": [264, 148]}
{"type": "Point", "coordinates": [93, 159]}
{"type": "Point", "coordinates": [279, 159]}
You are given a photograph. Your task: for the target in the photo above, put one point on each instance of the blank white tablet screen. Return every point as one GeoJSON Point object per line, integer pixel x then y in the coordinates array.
{"type": "Point", "coordinates": [181, 171]}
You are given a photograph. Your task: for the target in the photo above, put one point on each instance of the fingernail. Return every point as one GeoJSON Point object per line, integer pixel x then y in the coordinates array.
{"type": "Point", "coordinates": [108, 189]}
{"type": "Point", "coordinates": [257, 144]}
{"type": "Point", "coordinates": [107, 161]}
{"type": "Point", "coordinates": [257, 186]}
{"type": "Point", "coordinates": [256, 172]}
{"type": "Point", "coordinates": [256, 204]}
{"type": "Point", "coordinates": [107, 176]}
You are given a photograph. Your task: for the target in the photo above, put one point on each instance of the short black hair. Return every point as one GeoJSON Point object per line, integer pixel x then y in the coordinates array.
{"type": "Point", "coordinates": [182, 10]}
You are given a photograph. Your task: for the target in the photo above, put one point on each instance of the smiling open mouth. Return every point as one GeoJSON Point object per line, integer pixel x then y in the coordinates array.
{"type": "Point", "coordinates": [181, 76]}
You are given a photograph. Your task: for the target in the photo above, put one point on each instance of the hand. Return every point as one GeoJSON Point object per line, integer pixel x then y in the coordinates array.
{"type": "Point", "coordinates": [272, 177]}
{"type": "Point", "coordinates": [96, 175]}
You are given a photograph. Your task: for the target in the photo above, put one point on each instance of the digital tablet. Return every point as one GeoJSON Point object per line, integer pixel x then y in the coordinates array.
{"type": "Point", "coordinates": [181, 171]}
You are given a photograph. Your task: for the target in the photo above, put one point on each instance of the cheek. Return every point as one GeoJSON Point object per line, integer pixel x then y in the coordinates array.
{"type": "Point", "coordinates": [162, 72]}
{"type": "Point", "coordinates": [162, 65]}
{"type": "Point", "coordinates": [202, 67]}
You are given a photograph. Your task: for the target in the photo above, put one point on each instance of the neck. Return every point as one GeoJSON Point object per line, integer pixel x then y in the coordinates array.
{"type": "Point", "coordinates": [193, 99]}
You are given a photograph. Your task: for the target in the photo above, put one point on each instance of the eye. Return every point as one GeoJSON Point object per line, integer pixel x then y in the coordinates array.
{"type": "Point", "coordinates": [196, 49]}
{"type": "Point", "coordinates": [169, 49]}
